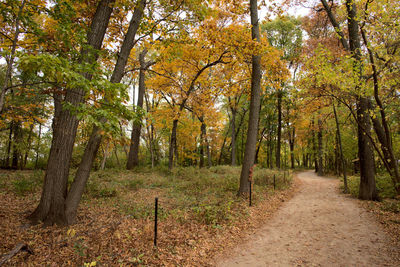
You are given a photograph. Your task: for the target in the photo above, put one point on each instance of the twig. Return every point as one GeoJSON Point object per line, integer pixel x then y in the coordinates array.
{"type": "Point", "coordinates": [12, 253]}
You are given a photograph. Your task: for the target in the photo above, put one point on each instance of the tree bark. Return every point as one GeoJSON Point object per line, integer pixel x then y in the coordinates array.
{"type": "Point", "coordinates": [343, 163]}
{"type": "Point", "coordinates": [233, 137]}
{"type": "Point", "coordinates": [259, 142]}
{"type": "Point", "coordinates": [255, 99]}
{"type": "Point", "coordinates": [38, 145]}
{"type": "Point", "coordinates": [172, 143]}
{"type": "Point", "coordinates": [222, 149]}
{"type": "Point", "coordinates": [92, 147]}
{"type": "Point", "coordinates": [320, 149]}
{"type": "Point", "coordinates": [105, 155]}
{"type": "Point", "coordinates": [133, 158]}
{"type": "Point", "coordinates": [382, 130]}
{"type": "Point", "coordinates": [291, 145]}
{"type": "Point", "coordinates": [7, 164]}
{"type": "Point", "coordinates": [29, 142]}
{"type": "Point", "coordinates": [52, 206]}
{"type": "Point", "coordinates": [16, 143]}
{"type": "Point", "coordinates": [314, 147]}
{"type": "Point", "coordinates": [202, 137]}
{"type": "Point", "coordinates": [279, 130]}
{"type": "Point", "coordinates": [209, 159]}
{"type": "Point", "coordinates": [367, 189]}
{"type": "Point", "coordinates": [10, 61]}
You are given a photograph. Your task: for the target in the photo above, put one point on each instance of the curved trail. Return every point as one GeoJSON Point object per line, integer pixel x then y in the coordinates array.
{"type": "Point", "coordinates": [317, 227]}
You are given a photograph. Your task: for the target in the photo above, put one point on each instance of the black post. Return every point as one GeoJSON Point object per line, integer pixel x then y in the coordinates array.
{"type": "Point", "coordinates": [250, 193]}
{"type": "Point", "coordinates": [155, 221]}
{"type": "Point", "coordinates": [274, 182]}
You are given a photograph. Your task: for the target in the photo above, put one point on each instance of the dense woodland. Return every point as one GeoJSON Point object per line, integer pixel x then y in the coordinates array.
{"type": "Point", "coordinates": [101, 84]}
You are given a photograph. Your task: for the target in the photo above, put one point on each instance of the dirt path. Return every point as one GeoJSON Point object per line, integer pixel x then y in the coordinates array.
{"type": "Point", "coordinates": [317, 227]}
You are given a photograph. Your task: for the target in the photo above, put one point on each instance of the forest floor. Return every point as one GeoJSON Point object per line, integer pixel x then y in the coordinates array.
{"type": "Point", "coordinates": [199, 217]}
{"type": "Point", "coordinates": [319, 226]}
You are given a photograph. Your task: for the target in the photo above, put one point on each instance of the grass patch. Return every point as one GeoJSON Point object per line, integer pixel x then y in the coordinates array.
{"type": "Point", "coordinates": [391, 206]}
{"type": "Point", "coordinates": [100, 190]}
{"type": "Point", "coordinates": [23, 186]}
{"type": "Point", "coordinates": [384, 186]}
{"type": "Point", "coordinates": [26, 183]}
{"type": "Point", "coordinates": [206, 196]}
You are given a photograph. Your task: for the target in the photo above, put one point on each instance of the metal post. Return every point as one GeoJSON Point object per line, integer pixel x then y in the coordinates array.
{"type": "Point", "coordinates": [155, 221]}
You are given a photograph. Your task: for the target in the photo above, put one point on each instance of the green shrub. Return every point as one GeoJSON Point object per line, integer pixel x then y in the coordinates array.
{"type": "Point", "coordinates": [22, 186]}
{"type": "Point", "coordinates": [384, 186]}
{"type": "Point", "coordinates": [3, 178]}
{"type": "Point", "coordinates": [213, 214]}
{"type": "Point", "coordinates": [37, 177]}
{"type": "Point", "coordinates": [96, 190]}
{"type": "Point", "coordinates": [391, 206]}
{"type": "Point", "coordinates": [134, 184]}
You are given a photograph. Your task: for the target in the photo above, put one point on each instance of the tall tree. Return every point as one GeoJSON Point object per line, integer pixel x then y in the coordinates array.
{"type": "Point", "coordinates": [92, 147]}
{"type": "Point", "coordinates": [51, 208]}
{"type": "Point", "coordinates": [133, 157]}
{"type": "Point", "coordinates": [255, 99]}
{"type": "Point", "coordinates": [10, 59]}
{"type": "Point", "coordinates": [342, 160]}
{"type": "Point", "coordinates": [367, 189]}
{"type": "Point", "coordinates": [285, 34]}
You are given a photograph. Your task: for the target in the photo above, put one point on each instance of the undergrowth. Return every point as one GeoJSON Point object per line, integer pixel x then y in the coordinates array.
{"type": "Point", "coordinates": [384, 186]}
{"type": "Point", "coordinates": [207, 195]}
{"type": "Point", "coordinates": [385, 189]}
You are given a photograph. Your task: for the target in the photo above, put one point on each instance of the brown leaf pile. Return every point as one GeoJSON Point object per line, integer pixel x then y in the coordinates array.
{"type": "Point", "coordinates": [389, 219]}
{"type": "Point", "coordinates": [110, 238]}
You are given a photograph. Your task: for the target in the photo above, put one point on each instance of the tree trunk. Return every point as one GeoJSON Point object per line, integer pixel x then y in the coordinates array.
{"type": "Point", "coordinates": [367, 181]}
{"type": "Point", "coordinates": [38, 145]}
{"type": "Point", "coordinates": [7, 164]}
{"type": "Point", "coordinates": [83, 172]}
{"type": "Point", "coordinates": [367, 166]}
{"type": "Point", "coordinates": [172, 142]}
{"type": "Point", "coordinates": [259, 144]}
{"type": "Point", "coordinates": [105, 155]}
{"type": "Point", "coordinates": [51, 208]}
{"type": "Point", "coordinates": [202, 141]}
{"type": "Point", "coordinates": [29, 145]}
{"type": "Point", "coordinates": [320, 149]}
{"type": "Point", "coordinates": [10, 61]}
{"type": "Point", "coordinates": [367, 189]}
{"type": "Point", "coordinates": [270, 150]}
{"type": "Point", "coordinates": [255, 99]}
{"type": "Point", "coordinates": [291, 146]}
{"type": "Point", "coordinates": [382, 130]}
{"type": "Point", "coordinates": [314, 147]}
{"type": "Point", "coordinates": [209, 159]}
{"type": "Point", "coordinates": [221, 150]}
{"type": "Point", "coordinates": [346, 189]}
{"type": "Point", "coordinates": [233, 137]}
{"type": "Point", "coordinates": [152, 146]}
{"type": "Point", "coordinates": [16, 157]}
{"type": "Point", "coordinates": [133, 158]}
{"type": "Point", "coordinates": [279, 130]}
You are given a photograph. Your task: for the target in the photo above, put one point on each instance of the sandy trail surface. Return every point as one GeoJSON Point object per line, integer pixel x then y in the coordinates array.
{"type": "Point", "coordinates": [317, 227]}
